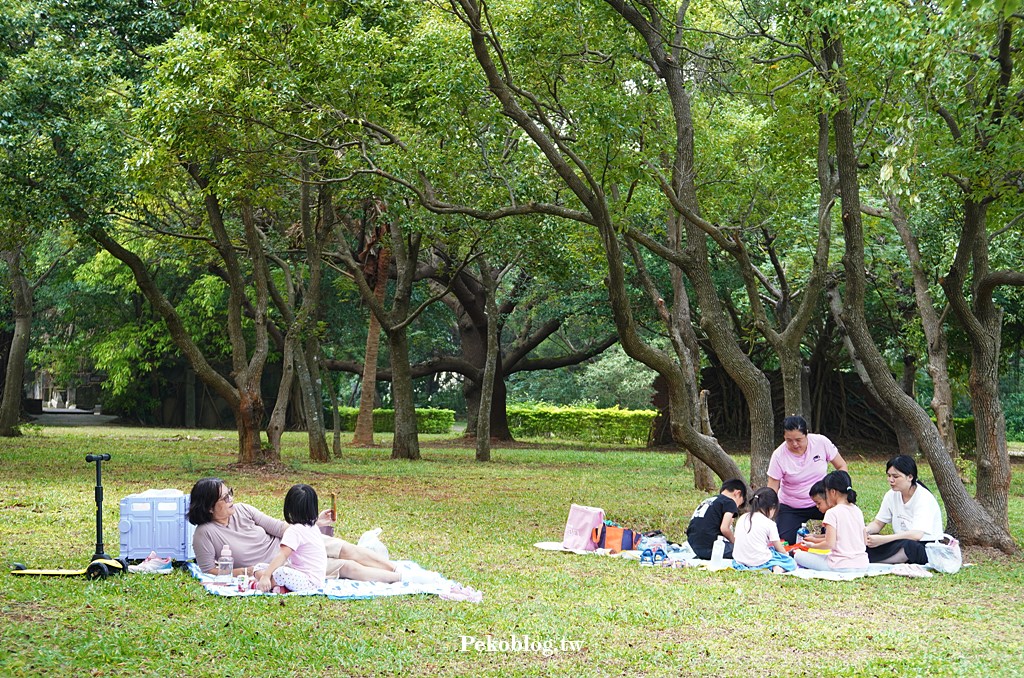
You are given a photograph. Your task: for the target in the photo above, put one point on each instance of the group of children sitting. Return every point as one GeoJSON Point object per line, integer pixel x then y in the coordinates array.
{"type": "Point", "coordinates": [754, 543]}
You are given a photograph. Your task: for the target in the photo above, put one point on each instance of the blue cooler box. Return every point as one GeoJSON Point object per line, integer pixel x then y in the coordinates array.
{"type": "Point", "coordinates": [156, 520]}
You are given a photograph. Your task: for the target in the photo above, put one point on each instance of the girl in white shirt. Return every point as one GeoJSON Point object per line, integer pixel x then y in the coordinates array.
{"type": "Point", "coordinates": [757, 545]}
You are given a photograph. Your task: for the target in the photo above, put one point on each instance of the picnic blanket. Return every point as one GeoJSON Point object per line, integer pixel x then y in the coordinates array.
{"type": "Point", "coordinates": [874, 570]}
{"type": "Point", "coordinates": [347, 589]}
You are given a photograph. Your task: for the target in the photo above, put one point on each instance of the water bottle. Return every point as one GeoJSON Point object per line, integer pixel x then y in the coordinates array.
{"type": "Point", "coordinates": [225, 564]}
{"type": "Point", "coordinates": [717, 554]}
{"type": "Point", "coordinates": [802, 532]}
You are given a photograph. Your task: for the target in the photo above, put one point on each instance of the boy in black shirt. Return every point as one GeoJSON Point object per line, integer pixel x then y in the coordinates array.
{"type": "Point", "coordinates": [713, 517]}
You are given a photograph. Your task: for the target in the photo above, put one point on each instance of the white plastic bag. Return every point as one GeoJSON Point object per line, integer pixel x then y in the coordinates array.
{"type": "Point", "coordinates": [371, 540]}
{"type": "Point", "coordinates": [944, 555]}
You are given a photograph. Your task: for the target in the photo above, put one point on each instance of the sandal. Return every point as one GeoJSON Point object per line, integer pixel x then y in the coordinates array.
{"type": "Point", "coordinates": [658, 557]}
{"type": "Point", "coordinates": [647, 557]}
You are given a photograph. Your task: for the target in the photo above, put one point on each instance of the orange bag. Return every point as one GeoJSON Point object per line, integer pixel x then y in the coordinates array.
{"type": "Point", "coordinates": [615, 538]}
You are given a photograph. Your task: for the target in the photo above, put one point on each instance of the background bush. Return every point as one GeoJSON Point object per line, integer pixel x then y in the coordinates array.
{"type": "Point", "coordinates": [428, 420]}
{"type": "Point", "coordinates": [610, 425]}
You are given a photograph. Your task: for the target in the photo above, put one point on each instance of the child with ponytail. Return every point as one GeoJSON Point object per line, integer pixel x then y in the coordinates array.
{"type": "Point", "coordinates": [845, 537]}
{"type": "Point", "coordinates": [758, 546]}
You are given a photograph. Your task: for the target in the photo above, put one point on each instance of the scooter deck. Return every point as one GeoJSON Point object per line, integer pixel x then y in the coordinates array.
{"type": "Point", "coordinates": [112, 565]}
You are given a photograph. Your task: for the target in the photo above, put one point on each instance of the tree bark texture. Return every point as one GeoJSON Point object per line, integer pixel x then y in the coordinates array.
{"type": "Point", "coordinates": [368, 384]}
{"type": "Point", "coordinates": [21, 300]}
{"type": "Point", "coordinates": [483, 434]}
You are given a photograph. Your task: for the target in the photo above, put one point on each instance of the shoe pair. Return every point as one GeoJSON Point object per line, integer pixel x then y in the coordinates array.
{"type": "Point", "coordinates": [153, 564]}
{"type": "Point", "coordinates": [651, 557]}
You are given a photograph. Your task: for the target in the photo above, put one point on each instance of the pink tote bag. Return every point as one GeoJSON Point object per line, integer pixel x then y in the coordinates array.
{"type": "Point", "coordinates": [580, 526]}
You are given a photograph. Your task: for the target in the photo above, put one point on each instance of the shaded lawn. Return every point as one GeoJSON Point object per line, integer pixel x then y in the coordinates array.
{"type": "Point", "coordinates": [476, 523]}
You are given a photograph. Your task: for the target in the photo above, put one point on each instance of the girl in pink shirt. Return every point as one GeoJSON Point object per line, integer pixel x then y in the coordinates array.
{"type": "Point", "coordinates": [301, 560]}
{"type": "Point", "coordinates": [844, 530]}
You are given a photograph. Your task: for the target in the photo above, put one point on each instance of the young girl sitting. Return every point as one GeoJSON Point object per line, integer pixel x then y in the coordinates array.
{"type": "Point", "coordinates": [301, 561]}
{"type": "Point", "coordinates": [844, 530]}
{"type": "Point", "coordinates": [758, 546]}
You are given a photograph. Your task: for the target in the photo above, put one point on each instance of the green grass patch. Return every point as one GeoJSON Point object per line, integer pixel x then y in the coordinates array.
{"type": "Point", "coordinates": [476, 523]}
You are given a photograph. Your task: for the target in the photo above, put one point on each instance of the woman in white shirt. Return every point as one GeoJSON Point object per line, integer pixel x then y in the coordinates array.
{"type": "Point", "coordinates": [913, 513]}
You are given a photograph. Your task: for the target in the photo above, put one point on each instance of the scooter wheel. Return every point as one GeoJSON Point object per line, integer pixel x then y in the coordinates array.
{"type": "Point", "coordinates": [97, 571]}
{"type": "Point", "coordinates": [18, 566]}
{"type": "Point", "coordinates": [124, 565]}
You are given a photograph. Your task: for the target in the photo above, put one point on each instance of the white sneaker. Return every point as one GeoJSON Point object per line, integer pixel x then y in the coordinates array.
{"type": "Point", "coordinates": [153, 564]}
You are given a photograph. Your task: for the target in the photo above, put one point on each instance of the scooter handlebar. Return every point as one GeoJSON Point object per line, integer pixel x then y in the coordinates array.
{"type": "Point", "coordinates": [97, 457]}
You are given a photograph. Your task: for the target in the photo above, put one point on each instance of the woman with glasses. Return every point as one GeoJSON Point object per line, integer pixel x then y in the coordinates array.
{"type": "Point", "coordinates": [255, 537]}
{"type": "Point", "coordinates": [800, 461]}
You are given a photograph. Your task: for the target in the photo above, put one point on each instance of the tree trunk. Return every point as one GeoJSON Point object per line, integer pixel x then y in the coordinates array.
{"type": "Point", "coordinates": [332, 390]}
{"type": "Point", "coordinates": [967, 518]}
{"type": "Point", "coordinates": [368, 393]}
{"type": "Point", "coordinates": [904, 436]}
{"type": "Point", "coordinates": [312, 399]}
{"type": "Point", "coordinates": [406, 444]}
{"type": "Point", "coordinates": [249, 420]}
{"type": "Point", "coordinates": [21, 298]}
{"type": "Point", "coordinates": [498, 421]}
{"type": "Point", "coordinates": [483, 432]}
{"type": "Point", "coordinates": [279, 416]}
{"type": "Point", "coordinates": [992, 456]}
{"type": "Point", "coordinates": [982, 320]}
{"type": "Point", "coordinates": [935, 337]}
{"type": "Point", "coordinates": [703, 476]}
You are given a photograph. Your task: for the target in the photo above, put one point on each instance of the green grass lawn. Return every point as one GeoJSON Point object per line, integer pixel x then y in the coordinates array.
{"type": "Point", "coordinates": [476, 523]}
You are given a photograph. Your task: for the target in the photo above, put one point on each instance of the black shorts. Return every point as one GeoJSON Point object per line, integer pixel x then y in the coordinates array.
{"type": "Point", "coordinates": [915, 550]}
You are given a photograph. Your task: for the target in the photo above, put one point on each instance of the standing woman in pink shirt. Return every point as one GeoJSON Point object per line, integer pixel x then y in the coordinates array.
{"type": "Point", "coordinates": [799, 462]}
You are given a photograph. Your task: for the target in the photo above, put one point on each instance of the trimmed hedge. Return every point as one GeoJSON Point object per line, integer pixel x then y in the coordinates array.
{"type": "Point", "coordinates": [610, 425]}
{"type": "Point", "coordinates": [428, 420]}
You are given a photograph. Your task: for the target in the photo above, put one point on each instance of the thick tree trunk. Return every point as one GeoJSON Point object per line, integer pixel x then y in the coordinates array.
{"type": "Point", "coordinates": [406, 444]}
{"type": "Point", "coordinates": [498, 421]}
{"type": "Point", "coordinates": [21, 298]}
{"type": "Point", "coordinates": [249, 420]}
{"type": "Point", "coordinates": [993, 458]}
{"type": "Point", "coordinates": [368, 393]}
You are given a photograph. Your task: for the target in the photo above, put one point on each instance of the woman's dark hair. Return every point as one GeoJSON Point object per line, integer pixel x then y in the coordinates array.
{"type": "Point", "coordinates": [205, 495]}
{"type": "Point", "coordinates": [841, 482]}
{"type": "Point", "coordinates": [907, 466]}
{"type": "Point", "coordinates": [763, 501]}
{"type": "Point", "coordinates": [795, 423]}
{"type": "Point", "coordinates": [301, 506]}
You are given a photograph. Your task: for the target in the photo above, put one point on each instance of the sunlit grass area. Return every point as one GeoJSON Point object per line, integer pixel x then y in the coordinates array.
{"type": "Point", "coordinates": [476, 523]}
